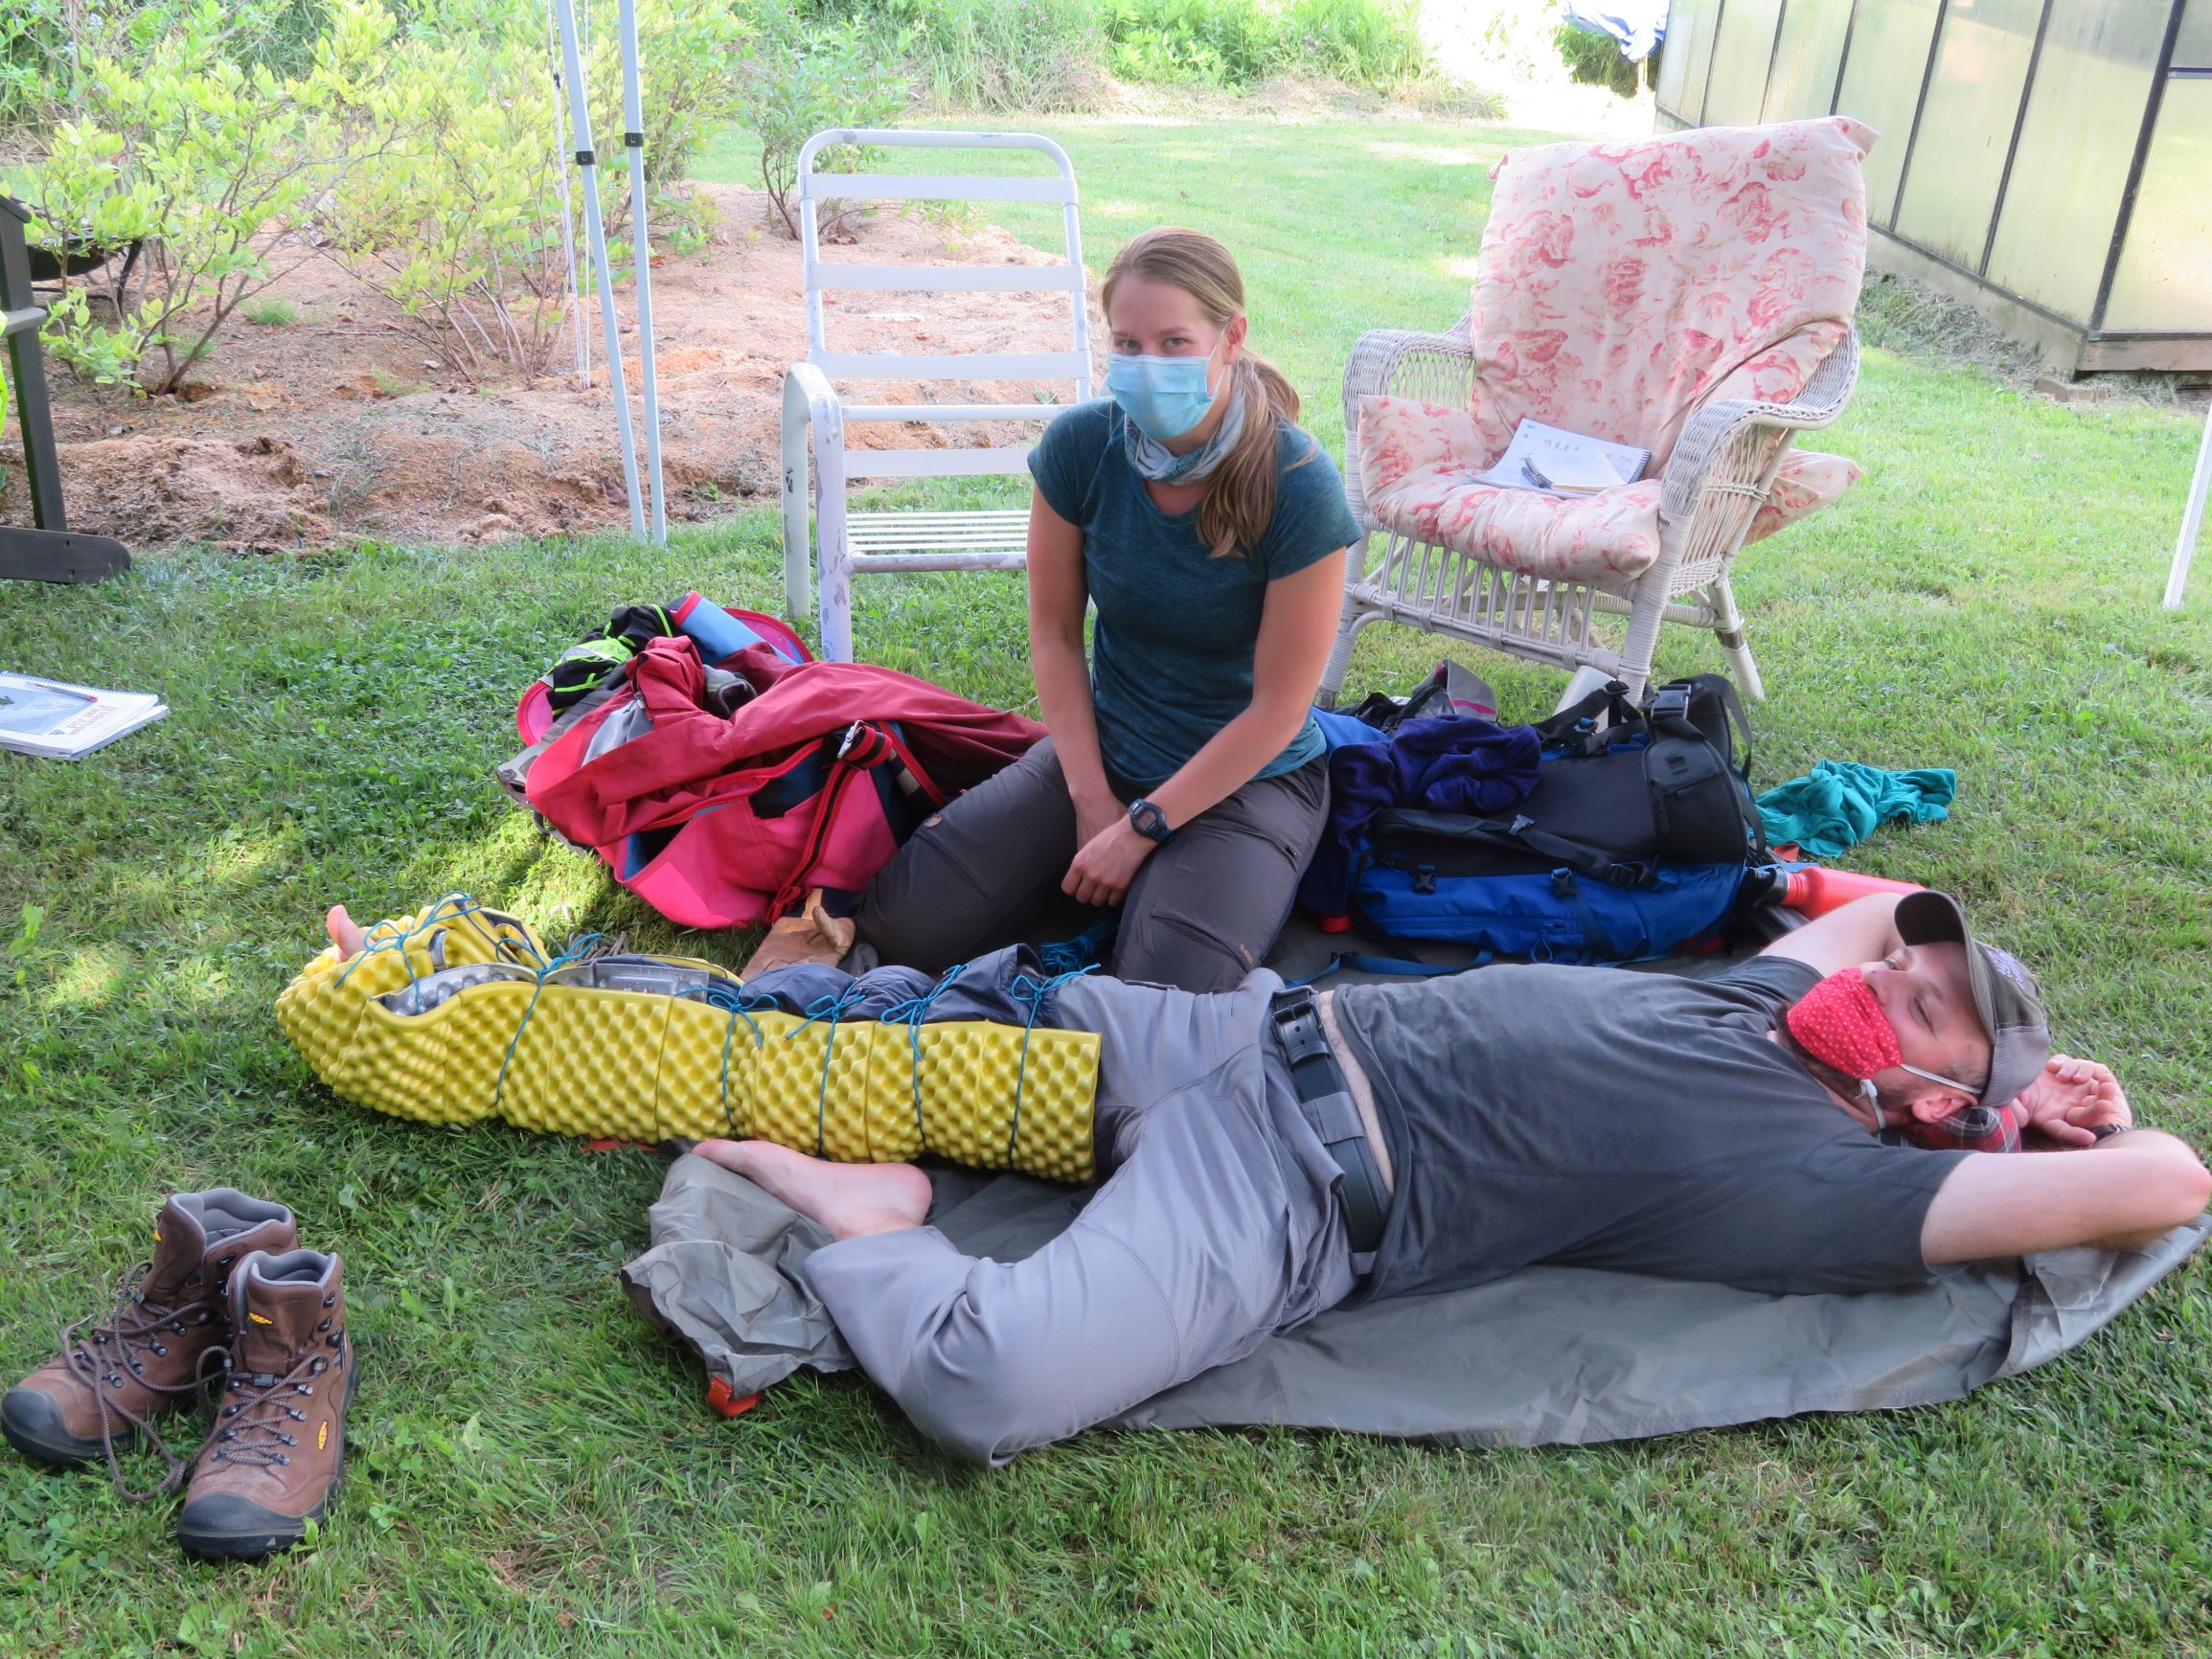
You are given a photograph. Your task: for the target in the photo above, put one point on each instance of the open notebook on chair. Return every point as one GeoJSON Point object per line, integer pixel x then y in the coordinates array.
{"type": "Point", "coordinates": [1557, 462]}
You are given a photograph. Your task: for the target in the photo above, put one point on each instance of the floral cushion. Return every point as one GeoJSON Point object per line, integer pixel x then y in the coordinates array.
{"type": "Point", "coordinates": [1418, 481]}
{"type": "Point", "coordinates": [1619, 288]}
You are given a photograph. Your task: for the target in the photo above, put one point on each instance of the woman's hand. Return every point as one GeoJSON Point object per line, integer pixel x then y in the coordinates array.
{"type": "Point", "coordinates": [2070, 1098]}
{"type": "Point", "coordinates": [1095, 813]}
{"type": "Point", "coordinates": [1109, 862]}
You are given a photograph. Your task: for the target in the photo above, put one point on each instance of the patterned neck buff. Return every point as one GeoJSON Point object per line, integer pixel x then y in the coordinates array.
{"type": "Point", "coordinates": [1152, 459]}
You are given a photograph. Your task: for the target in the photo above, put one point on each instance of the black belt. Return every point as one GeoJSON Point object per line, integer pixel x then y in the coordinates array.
{"type": "Point", "coordinates": [1326, 1097]}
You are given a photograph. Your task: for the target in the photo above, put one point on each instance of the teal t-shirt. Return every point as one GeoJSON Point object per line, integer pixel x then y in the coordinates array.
{"type": "Point", "coordinates": [1172, 652]}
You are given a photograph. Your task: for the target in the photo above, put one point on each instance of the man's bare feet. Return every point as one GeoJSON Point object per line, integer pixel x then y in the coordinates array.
{"type": "Point", "coordinates": [852, 1201]}
{"type": "Point", "coordinates": [345, 933]}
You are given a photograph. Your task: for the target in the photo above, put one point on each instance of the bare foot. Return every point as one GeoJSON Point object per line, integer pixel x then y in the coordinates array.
{"type": "Point", "coordinates": [345, 932]}
{"type": "Point", "coordinates": [852, 1201]}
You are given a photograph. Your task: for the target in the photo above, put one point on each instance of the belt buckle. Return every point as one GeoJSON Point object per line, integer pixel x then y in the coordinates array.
{"type": "Point", "coordinates": [1298, 1026]}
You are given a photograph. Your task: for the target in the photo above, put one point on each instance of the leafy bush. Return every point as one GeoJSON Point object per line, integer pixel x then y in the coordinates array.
{"type": "Point", "coordinates": [193, 155]}
{"type": "Point", "coordinates": [1236, 42]}
{"type": "Point", "coordinates": [795, 80]}
{"type": "Point", "coordinates": [986, 54]}
{"type": "Point", "coordinates": [418, 149]}
{"type": "Point", "coordinates": [1594, 60]}
{"type": "Point", "coordinates": [449, 208]}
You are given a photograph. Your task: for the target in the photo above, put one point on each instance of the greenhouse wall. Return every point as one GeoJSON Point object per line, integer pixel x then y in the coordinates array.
{"type": "Point", "coordinates": [2049, 160]}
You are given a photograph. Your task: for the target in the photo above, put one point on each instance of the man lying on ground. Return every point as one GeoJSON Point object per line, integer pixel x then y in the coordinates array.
{"type": "Point", "coordinates": [1800, 1124]}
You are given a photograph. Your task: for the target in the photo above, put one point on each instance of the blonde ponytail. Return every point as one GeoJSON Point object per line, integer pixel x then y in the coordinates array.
{"type": "Point", "coordinates": [1240, 499]}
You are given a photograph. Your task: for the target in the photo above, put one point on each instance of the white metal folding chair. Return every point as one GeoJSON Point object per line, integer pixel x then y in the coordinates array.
{"type": "Point", "coordinates": [849, 544]}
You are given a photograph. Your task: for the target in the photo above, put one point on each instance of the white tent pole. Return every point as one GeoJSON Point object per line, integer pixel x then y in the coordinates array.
{"type": "Point", "coordinates": [595, 236]}
{"type": "Point", "coordinates": [579, 319]}
{"type": "Point", "coordinates": [633, 140]}
{"type": "Point", "coordinates": [2192, 519]}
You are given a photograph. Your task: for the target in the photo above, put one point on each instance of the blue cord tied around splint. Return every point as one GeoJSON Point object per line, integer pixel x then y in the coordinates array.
{"type": "Point", "coordinates": [832, 1009]}
{"type": "Point", "coordinates": [739, 1003]}
{"type": "Point", "coordinates": [453, 907]}
{"type": "Point", "coordinates": [1027, 986]}
{"type": "Point", "coordinates": [913, 1013]}
{"type": "Point", "coordinates": [579, 947]}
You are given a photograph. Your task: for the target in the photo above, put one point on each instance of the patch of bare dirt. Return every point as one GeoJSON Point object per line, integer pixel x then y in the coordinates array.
{"type": "Point", "coordinates": [336, 426]}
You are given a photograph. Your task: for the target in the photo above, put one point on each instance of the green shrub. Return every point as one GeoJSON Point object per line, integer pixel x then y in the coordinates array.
{"type": "Point", "coordinates": [796, 79]}
{"type": "Point", "coordinates": [419, 147]}
{"type": "Point", "coordinates": [449, 208]}
{"type": "Point", "coordinates": [984, 54]}
{"type": "Point", "coordinates": [1236, 42]}
{"type": "Point", "coordinates": [195, 153]}
{"type": "Point", "coordinates": [1594, 58]}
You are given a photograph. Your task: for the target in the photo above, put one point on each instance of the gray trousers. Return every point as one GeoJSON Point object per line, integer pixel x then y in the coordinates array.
{"type": "Point", "coordinates": [1202, 914]}
{"type": "Point", "coordinates": [1218, 1226]}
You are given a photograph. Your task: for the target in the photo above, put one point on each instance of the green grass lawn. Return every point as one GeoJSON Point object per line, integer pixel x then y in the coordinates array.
{"type": "Point", "coordinates": [532, 1472]}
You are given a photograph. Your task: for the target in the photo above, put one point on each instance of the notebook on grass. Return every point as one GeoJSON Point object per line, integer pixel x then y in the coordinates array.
{"type": "Point", "coordinates": [67, 722]}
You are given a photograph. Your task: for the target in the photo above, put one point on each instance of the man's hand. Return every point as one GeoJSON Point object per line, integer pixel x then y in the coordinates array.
{"type": "Point", "coordinates": [2071, 1098]}
{"type": "Point", "coordinates": [1109, 862]}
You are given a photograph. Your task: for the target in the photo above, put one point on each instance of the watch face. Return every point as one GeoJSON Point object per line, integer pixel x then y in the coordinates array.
{"type": "Point", "coordinates": [1148, 820]}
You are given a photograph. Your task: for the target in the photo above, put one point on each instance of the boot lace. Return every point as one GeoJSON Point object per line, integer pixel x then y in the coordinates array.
{"type": "Point", "coordinates": [106, 1355]}
{"type": "Point", "coordinates": [255, 1426]}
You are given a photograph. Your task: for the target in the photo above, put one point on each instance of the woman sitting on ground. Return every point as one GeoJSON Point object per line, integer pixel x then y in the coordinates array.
{"type": "Point", "coordinates": [1184, 780]}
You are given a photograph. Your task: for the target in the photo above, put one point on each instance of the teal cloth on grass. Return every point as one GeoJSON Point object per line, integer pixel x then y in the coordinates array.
{"type": "Point", "coordinates": [1839, 803]}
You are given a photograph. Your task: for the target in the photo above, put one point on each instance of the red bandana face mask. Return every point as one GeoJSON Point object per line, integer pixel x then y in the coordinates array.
{"type": "Point", "coordinates": [1840, 1023]}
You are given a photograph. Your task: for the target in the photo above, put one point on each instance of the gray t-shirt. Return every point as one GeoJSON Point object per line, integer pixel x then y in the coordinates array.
{"type": "Point", "coordinates": [1172, 653]}
{"type": "Point", "coordinates": [1637, 1121]}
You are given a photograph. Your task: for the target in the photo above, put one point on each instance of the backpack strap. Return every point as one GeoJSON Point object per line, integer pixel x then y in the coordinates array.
{"type": "Point", "coordinates": [1734, 739]}
{"type": "Point", "coordinates": [1604, 718]}
{"type": "Point", "coordinates": [1521, 834]}
{"type": "Point", "coordinates": [1396, 967]}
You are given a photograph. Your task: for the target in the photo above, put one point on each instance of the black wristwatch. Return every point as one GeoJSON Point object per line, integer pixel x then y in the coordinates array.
{"type": "Point", "coordinates": [1148, 820]}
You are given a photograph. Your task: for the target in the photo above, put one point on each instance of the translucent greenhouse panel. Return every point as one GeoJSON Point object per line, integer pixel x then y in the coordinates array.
{"type": "Point", "coordinates": [2084, 114]}
{"type": "Point", "coordinates": [2194, 49]}
{"type": "Point", "coordinates": [1689, 39]}
{"type": "Point", "coordinates": [1966, 127]}
{"type": "Point", "coordinates": [2164, 282]}
{"type": "Point", "coordinates": [1740, 61]}
{"type": "Point", "coordinates": [1806, 59]}
{"type": "Point", "coordinates": [1689, 23]}
{"type": "Point", "coordinates": [1889, 43]}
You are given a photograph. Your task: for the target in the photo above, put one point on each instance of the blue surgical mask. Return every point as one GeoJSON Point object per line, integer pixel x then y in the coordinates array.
{"type": "Point", "coordinates": [1165, 396]}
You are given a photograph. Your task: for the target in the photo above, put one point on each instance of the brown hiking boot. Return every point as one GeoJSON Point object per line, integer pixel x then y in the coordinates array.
{"type": "Point", "coordinates": [277, 1443]}
{"type": "Point", "coordinates": [100, 1392]}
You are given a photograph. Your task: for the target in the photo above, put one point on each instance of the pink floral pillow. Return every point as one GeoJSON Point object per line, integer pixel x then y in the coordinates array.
{"type": "Point", "coordinates": [1619, 286]}
{"type": "Point", "coordinates": [1416, 465]}
{"type": "Point", "coordinates": [1807, 481]}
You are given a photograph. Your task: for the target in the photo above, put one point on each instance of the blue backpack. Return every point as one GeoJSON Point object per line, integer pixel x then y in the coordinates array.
{"type": "Point", "coordinates": [1634, 844]}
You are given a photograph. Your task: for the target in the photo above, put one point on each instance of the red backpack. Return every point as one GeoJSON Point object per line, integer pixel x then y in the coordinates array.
{"type": "Point", "coordinates": [725, 819]}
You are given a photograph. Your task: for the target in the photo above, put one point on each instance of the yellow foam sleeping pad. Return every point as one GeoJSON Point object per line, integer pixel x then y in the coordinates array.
{"type": "Point", "coordinates": [459, 1014]}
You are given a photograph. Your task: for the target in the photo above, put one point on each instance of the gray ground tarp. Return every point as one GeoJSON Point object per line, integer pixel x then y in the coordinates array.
{"type": "Point", "coordinates": [1549, 1355]}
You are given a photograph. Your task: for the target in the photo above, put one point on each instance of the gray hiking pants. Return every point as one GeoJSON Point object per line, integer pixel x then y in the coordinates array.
{"type": "Point", "coordinates": [1201, 912]}
{"type": "Point", "coordinates": [1218, 1227]}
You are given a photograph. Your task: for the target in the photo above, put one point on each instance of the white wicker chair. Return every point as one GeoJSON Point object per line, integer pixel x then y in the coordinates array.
{"type": "Point", "coordinates": [1713, 485]}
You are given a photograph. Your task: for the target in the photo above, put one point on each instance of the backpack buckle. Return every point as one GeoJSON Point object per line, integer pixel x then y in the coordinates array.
{"type": "Point", "coordinates": [1671, 701]}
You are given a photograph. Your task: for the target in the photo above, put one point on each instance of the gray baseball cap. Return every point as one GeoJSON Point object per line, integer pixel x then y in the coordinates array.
{"type": "Point", "coordinates": [2004, 993]}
